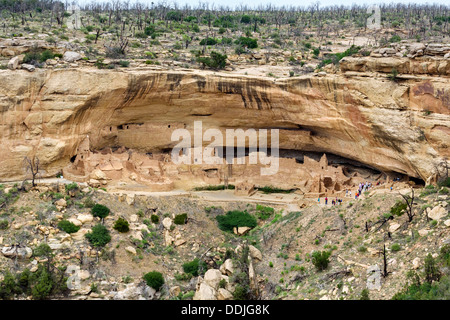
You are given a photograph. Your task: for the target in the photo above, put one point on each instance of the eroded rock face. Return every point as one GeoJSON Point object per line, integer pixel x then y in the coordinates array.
{"type": "Point", "coordinates": [380, 123]}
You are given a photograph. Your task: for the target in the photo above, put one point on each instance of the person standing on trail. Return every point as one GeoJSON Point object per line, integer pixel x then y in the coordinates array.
{"type": "Point", "coordinates": [326, 200]}
{"type": "Point", "coordinates": [318, 200]}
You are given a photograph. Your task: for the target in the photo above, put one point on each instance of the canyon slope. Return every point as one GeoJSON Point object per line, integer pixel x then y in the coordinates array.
{"type": "Point", "coordinates": [400, 126]}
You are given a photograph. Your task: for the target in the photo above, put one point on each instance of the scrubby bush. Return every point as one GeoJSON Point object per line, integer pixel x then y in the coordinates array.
{"type": "Point", "coordinates": [194, 267]}
{"type": "Point", "coordinates": [395, 247]}
{"type": "Point", "coordinates": [247, 42]}
{"type": "Point", "coordinates": [399, 208]}
{"type": "Point", "coordinates": [208, 41]}
{"type": "Point", "coordinates": [122, 225]}
{"type": "Point", "coordinates": [431, 270]}
{"type": "Point", "coordinates": [263, 212]}
{"type": "Point", "coordinates": [68, 226]}
{"type": "Point", "coordinates": [320, 259]}
{"type": "Point", "coordinates": [4, 224]}
{"type": "Point", "coordinates": [364, 295]}
{"type": "Point", "coordinates": [236, 219]}
{"type": "Point", "coordinates": [124, 63]}
{"type": "Point", "coordinates": [43, 250]}
{"type": "Point", "coordinates": [89, 203]}
{"type": "Point", "coordinates": [99, 236]}
{"type": "Point", "coordinates": [100, 211]}
{"type": "Point", "coordinates": [154, 279]}
{"type": "Point", "coordinates": [214, 61]}
{"type": "Point", "coordinates": [180, 218]}
{"type": "Point", "coordinates": [72, 186]}
{"type": "Point", "coordinates": [155, 218]}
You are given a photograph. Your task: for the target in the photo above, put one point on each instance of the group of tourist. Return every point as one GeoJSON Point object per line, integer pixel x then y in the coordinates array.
{"type": "Point", "coordinates": [363, 187]}
{"type": "Point", "coordinates": [333, 202]}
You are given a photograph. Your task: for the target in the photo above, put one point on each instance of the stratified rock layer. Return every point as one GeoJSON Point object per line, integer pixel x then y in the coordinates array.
{"type": "Point", "coordinates": [398, 126]}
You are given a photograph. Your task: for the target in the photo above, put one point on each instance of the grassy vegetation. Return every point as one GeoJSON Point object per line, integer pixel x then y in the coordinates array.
{"type": "Point", "coordinates": [214, 188]}
{"type": "Point", "coordinates": [236, 219]}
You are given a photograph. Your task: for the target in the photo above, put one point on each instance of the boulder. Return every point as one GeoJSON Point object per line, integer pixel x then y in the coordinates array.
{"type": "Point", "coordinates": [255, 253]}
{"type": "Point", "coordinates": [85, 218]}
{"type": "Point", "coordinates": [131, 250]}
{"type": "Point", "coordinates": [205, 292]}
{"type": "Point", "coordinates": [175, 291]}
{"type": "Point", "coordinates": [75, 221]}
{"type": "Point", "coordinates": [437, 213]}
{"type": "Point", "coordinates": [135, 292]}
{"type": "Point", "coordinates": [13, 63]}
{"type": "Point", "coordinates": [61, 203]}
{"type": "Point", "coordinates": [224, 294]}
{"type": "Point", "coordinates": [241, 230]}
{"type": "Point", "coordinates": [71, 56]}
{"type": "Point", "coordinates": [394, 227]}
{"type": "Point", "coordinates": [28, 67]}
{"type": "Point", "coordinates": [79, 235]}
{"type": "Point", "coordinates": [179, 242]}
{"type": "Point", "coordinates": [212, 278]}
{"type": "Point", "coordinates": [416, 263]}
{"type": "Point", "coordinates": [17, 251]}
{"type": "Point", "coordinates": [227, 267]}
{"type": "Point", "coordinates": [98, 174]}
{"type": "Point", "coordinates": [167, 223]}
{"type": "Point", "coordinates": [424, 232]}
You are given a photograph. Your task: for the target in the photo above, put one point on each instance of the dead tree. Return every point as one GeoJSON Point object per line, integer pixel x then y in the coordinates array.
{"type": "Point", "coordinates": [33, 166]}
{"type": "Point", "coordinates": [409, 199]}
{"type": "Point", "coordinates": [385, 272]}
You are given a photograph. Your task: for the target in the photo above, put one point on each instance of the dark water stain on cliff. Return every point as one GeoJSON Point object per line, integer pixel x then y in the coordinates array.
{"type": "Point", "coordinates": [174, 80]}
{"type": "Point", "coordinates": [251, 91]}
{"type": "Point", "coordinates": [138, 87]}
{"type": "Point", "coordinates": [201, 82]}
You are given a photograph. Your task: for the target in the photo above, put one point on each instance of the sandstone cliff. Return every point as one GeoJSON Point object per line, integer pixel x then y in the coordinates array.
{"type": "Point", "coordinates": [401, 126]}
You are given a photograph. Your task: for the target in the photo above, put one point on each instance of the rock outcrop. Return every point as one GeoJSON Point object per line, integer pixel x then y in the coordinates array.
{"type": "Point", "coordinates": [392, 126]}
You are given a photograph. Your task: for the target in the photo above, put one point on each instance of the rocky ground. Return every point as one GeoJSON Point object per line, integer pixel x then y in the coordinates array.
{"type": "Point", "coordinates": [280, 247]}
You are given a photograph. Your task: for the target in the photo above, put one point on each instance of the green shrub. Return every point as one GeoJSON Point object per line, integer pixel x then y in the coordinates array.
{"type": "Point", "coordinates": [444, 255]}
{"type": "Point", "coordinates": [155, 218]}
{"type": "Point", "coordinates": [124, 63]}
{"type": "Point", "coordinates": [398, 209]}
{"type": "Point", "coordinates": [121, 225]}
{"type": "Point", "coordinates": [154, 279]}
{"type": "Point", "coordinates": [180, 218]}
{"type": "Point", "coordinates": [270, 189]}
{"type": "Point", "coordinates": [72, 186]}
{"type": "Point", "coordinates": [362, 249]}
{"type": "Point", "coordinates": [194, 267]}
{"type": "Point", "coordinates": [100, 211]}
{"type": "Point", "coordinates": [99, 236]}
{"type": "Point", "coordinates": [364, 295]}
{"type": "Point", "coordinates": [263, 212]}
{"type": "Point", "coordinates": [43, 250]}
{"type": "Point", "coordinates": [431, 270]}
{"type": "Point", "coordinates": [214, 61]}
{"type": "Point", "coordinates": [4, 224]}
{"type": "Point", "coordinates": [240, 292]}
{"type": "Point", "coordinates": [45, 55]}
{"type": "Point", "coordinates": [208, 41]}
{"type": "Point", "coordinates": [236, 219]}
{"type": "Point", "coordinates": [445, 182]}
{"type": "Point", "coordinates": [395, 38]}
{"type": "Point", "coordinates": [89, 203]}
{"type": "Point", "coordinates": [247, 42]}
{"type": "Point", "coordinates": [320, 259]}
{"type": "Point", "coordinates": [8, 287]}
{"type": "Point", "coordinates": [68, 226]}
{"type": "Point", "coordinates": [395, 247]}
